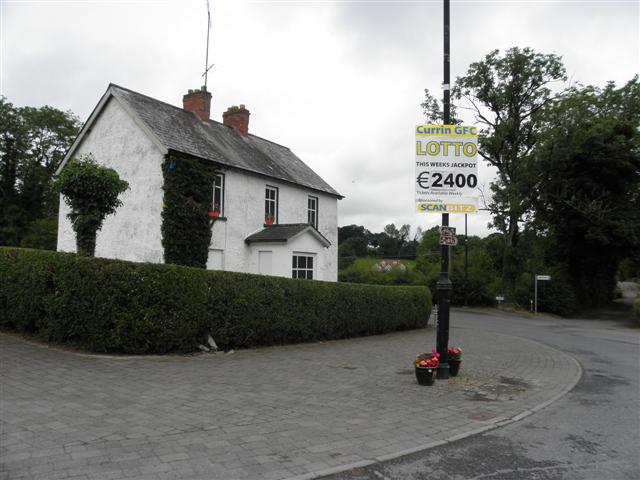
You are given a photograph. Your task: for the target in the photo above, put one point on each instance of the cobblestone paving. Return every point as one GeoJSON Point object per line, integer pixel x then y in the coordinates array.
{"type": "Point", "coordinates": [273, 413]}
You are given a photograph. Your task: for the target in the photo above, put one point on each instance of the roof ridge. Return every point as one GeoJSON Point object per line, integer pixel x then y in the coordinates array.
{"type": "Point", "coordinates": [291, 225]}
{"type": "Point", "coordinates": [111, 84]}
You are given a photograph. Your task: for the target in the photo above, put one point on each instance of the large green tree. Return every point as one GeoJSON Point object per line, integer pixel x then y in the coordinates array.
{"type": "Point", "coordinates": [587, 193]}
{"type": "Point", "coordinates": [506, 93]}
{"type": "Point", "coordinates": [33, 142]}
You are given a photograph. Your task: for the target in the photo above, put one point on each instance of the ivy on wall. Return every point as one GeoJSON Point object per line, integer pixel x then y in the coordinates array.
{"type": "Point", "coordinates": [188, 192]}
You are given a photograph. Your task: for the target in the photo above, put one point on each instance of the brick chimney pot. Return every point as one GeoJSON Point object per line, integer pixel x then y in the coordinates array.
{"type": "Point", "coordinates": [238, 118]}
{"type": "Point", "coordinates": [198, 101]}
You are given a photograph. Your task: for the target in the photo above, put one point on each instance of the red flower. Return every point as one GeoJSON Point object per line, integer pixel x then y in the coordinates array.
{"type": "Point", "coordinates": [426, 360]}
{"type": "Point", "coordinates": [454, 353]}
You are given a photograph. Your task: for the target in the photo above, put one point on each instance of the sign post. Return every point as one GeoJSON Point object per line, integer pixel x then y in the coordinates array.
{"type": "Point", "coordinates": [446, 176]}
{"type": "Point", "coordinates": [535, 289]}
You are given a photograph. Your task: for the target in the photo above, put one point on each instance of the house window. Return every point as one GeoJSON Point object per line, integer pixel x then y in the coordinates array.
{"type": "Point", "coordinates": [312, 208]}
{"type": "Point", "coordinates": [302, 266]}
{"type": "Point", "coordinates": [271, 205]}
{"type": "Point", "coordinates": [218, 194]}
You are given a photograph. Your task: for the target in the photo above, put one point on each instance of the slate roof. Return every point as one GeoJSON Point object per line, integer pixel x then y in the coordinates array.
{"type": "Point", "coordinates": [184, 132]}
{"type": "Point", "coordinates": [285, 232]}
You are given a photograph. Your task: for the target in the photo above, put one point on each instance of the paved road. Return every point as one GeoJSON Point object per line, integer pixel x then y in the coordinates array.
{"type": "Point", "coordinates": [274, 413]}
{"type": "Point", "coordinates": [591, 433]}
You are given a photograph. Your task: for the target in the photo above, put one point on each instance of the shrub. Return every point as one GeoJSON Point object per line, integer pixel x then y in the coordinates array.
{"type": "Point", "coordinates": [345, 262]}
{"type": "Point", "coordinates": [41, 233]}
{"type": "Point", "coordinates": [113, 305]}
{"type": "Point", "coordinates": [91, 191]}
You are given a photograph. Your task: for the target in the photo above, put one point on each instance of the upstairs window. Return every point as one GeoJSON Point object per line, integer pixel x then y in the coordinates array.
{"type": "Point", "coordinates": [312, 208]}
{"type": "Point", "coordinates": [271, 205]}
{"type": "Point", "coordinates": [218, 194]}
{"type": "Point", "coordinates": [302, 266]}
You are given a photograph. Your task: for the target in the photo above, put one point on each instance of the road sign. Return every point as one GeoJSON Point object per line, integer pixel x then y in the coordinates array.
{"type": "Point", "coordinates": [451, 241]}
{"type": "Point", "coordinates": [446, 169]}
{"type": "Point", "coordinates": [500, 298]}
{"type": "Point", "coordinates": [538, 278]}
{"type": "Point", "coordinates": [448, 236]}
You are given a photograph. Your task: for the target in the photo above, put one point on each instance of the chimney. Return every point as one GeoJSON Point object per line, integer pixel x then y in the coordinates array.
{"type": "Point", "coordinates": [238, 118]}
{"type": "Point", "coordinates": [198, 101]}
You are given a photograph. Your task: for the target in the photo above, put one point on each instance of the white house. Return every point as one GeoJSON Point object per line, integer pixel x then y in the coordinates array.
{"type": "Point", "coordinates": [257, 180]}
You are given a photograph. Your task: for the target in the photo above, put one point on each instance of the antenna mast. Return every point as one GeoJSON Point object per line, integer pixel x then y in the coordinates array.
{"type": "Point", "coordinates": [207, 67]}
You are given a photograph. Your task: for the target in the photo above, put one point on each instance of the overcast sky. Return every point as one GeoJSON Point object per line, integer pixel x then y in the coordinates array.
{"type": "Point", "coordinates": [338, 82]}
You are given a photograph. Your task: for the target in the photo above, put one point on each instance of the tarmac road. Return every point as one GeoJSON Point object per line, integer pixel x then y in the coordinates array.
{"type": "Point", "coordinates": [593, 432]}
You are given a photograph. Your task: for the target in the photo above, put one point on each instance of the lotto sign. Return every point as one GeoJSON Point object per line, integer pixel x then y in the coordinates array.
{"type": "Point", "coordinates": [446, 169]}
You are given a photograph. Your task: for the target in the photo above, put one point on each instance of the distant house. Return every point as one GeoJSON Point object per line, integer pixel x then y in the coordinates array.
{"type": "Point", "coordinates": [258, 181]}
{"type": "Point", "coordinates": [388, 265]}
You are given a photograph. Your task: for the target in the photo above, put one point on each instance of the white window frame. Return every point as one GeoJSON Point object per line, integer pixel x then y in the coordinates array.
{"type": "Point", "coordinates": [271, 204]}
{"type": "Point", "coordinates": [301, 269]}
{"type": "Point", "coordinates": [219, 184]}
{"type": "Point", "coordinates": [312, 213]}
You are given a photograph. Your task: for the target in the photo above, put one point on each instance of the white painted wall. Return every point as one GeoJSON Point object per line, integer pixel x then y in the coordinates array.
{"type": "Point", "coordinates": [244, 210]}
{"type": "Point", "coordinates": [133, 232]}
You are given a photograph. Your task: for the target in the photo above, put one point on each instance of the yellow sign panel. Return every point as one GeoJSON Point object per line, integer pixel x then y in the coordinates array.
{"type": "Point", "coordinates": [446, 168]}
{"type": "Point", "coordinates": [446, 208]}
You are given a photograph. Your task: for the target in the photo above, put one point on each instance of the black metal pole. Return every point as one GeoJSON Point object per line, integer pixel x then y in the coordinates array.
{"type": "Point", "coordinates": [466, 263]}
{"type": "Point", "coordinates": [444, 283]}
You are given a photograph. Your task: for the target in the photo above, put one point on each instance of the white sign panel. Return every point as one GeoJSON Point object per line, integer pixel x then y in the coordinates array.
{"type": "Point", "coordinates": [448, 236]}
{"type": "Point", "coordinates": [446, 173]}
{"type": "Point", "coordinates": [543, 277]}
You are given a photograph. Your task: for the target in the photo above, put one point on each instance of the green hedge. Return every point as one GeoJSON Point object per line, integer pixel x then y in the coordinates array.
{"type": "Point", "coordinates": [112, 305]}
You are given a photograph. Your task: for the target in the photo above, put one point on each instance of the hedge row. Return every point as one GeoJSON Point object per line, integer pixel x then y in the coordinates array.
{"type": "Point", "coordinates": [112, 305]}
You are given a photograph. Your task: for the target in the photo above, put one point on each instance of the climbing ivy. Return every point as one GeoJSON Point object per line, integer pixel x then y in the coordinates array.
{"type": "Point", "coordinates": [188, 193]}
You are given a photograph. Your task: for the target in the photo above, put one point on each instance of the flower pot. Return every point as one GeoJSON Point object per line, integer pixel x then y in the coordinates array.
{"type": "Point", "coordinates": [214, 214]}
{"type": "Point", "coordinates": [425, 375]}
{"type": "Point", "coordinates": [454, 367]}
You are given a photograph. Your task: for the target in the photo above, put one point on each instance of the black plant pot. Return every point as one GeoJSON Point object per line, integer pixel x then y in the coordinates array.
{"type": "Point", "coordinates": [454, 367]}
{"type": "Point", "coordinates": [425, 375]}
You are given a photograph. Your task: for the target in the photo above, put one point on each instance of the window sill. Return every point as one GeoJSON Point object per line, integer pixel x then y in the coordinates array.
{"type": "Point", "coordinates": [215, 219]}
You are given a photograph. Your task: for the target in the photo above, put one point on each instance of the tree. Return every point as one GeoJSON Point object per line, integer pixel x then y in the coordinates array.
{"type": "Point", "coordinates": [433, 111]}
{"type": "Point", "coordinates": [348, 231]}
{"type": "Point", "coordinates": [50, 134]}
{"type": "Point", "coordinates": [353, 247]}
{"type": "Point", "coordinates": [13, 144]}
{"type": "Point", "coordinates": [353, 241]}
{"type": "Point", "coordinates": [506, 94]}
{"type": "Point", "coordinates": [92, 193]}
{"type": "Point", "coordinates": [33, 142]}
{"type": "Point", "coordinates": [392, 240]}
{"type": "Point", "coordinates": [588, 190]}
